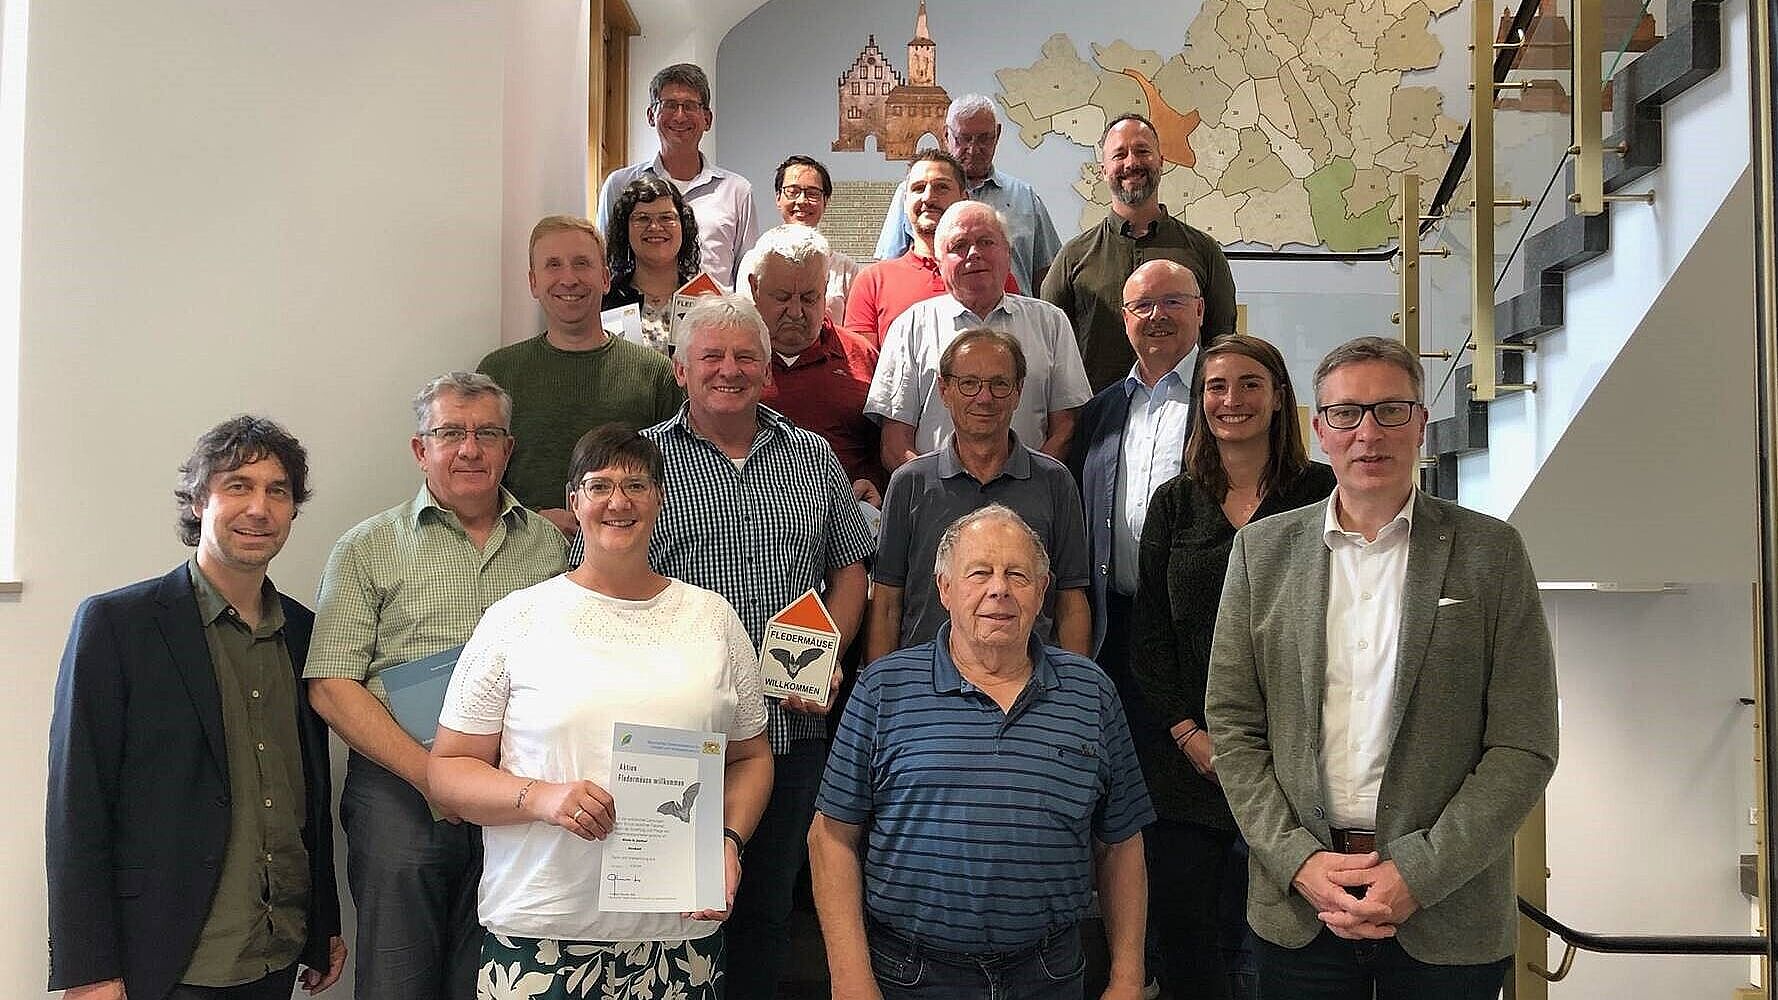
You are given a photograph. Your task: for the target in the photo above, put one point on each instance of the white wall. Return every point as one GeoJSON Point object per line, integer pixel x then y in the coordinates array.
{"type": "Point", "coordinates": [1706, 152]}
{"type": "Point", "coordinates": [1648, 811]}
{"type": "Point", "coordinates": [299, 210]}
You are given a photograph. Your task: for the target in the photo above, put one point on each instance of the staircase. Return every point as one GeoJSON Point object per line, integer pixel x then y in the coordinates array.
{"type": "Point", "coordinates": [1692, 51]}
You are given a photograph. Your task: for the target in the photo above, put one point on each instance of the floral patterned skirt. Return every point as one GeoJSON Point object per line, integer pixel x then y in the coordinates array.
{"type": "Point", "coordinates": [520, 968]}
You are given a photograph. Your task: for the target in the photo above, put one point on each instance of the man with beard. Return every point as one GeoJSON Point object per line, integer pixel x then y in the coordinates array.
{"type": "Point", "coordinates": [1087, 278]}
{"type": "Point", "coordinates": [886, 289]}
{"type": "Point", "coordinates": [972, 133]}
{"type": "Point", "coordinates": [820, 373]}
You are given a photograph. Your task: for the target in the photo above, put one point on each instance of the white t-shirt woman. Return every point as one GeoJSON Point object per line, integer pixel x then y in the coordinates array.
{"type": "Point", "coordinates": [552, 668]}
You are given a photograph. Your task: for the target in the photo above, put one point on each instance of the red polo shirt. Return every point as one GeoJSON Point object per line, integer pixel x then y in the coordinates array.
{"type": "Point", "coordinates": [884, 290]}
{"type": "Point", "coordinates": [824, 393]}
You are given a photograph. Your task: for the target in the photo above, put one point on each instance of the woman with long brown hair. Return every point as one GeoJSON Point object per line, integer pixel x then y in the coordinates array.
{"type": "Point", "coordinates": [1245, 459]}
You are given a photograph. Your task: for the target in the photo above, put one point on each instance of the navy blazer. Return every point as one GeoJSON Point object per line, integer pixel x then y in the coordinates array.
{"type": "Point", "coordinates": [138, 810]}
{"type": "Point", "coordinates": [1097, 448]}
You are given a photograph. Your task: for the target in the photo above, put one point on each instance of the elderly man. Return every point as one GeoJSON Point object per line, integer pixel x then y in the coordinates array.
{"type": "Point", "coordinates": [680, 111]}
{"type": "Point", "coordinates": [996, 778]}
{"type": "Point", "coordinates": [1089, 273]}
{"type": "Point", "coordinates": [403, 585]}
{"type": "Point", "coordinates": [573, 376]}
{"type": "Point", "coordinates": [190, 817]}
{"type": "Point", "coordinates": [759, 511]}
{"type": "Point", "coordinates": [981, 374]}
{"type": "Point", "coordinates": [972, 134]}
{"type": "Point", "coordinates": [886, 289]}
{"type": "Point", "coordinates": [820, 373]}
{"type": "Point", "coordinates": [1131, 440]}
{"type": "Point", "coordinates": [1382, 706]}
{"type": "Point", "coordinates": [803, 187]}
{"type": "Point", "coordinates": [971, 240]}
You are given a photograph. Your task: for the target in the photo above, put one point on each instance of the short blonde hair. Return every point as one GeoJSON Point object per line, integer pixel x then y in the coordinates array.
{"type": "Point", "coordinates": [563, 224]}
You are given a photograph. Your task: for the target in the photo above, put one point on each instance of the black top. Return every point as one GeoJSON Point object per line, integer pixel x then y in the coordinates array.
{"type": "Point", "coordinates": [1182, 563]}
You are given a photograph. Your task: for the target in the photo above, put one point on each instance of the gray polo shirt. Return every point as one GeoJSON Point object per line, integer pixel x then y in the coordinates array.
{"type": "Point", "coordinates": [930, 492]}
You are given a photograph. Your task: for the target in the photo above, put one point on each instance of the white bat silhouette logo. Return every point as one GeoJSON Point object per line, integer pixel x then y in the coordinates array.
{"type": "Point", "coordinates": [803, 659]}
{"type": "Point", "coordinates": [681, 810]}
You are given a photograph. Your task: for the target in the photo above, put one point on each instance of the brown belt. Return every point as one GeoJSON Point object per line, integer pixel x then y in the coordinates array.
{"type": "Point", "coordinates": [1354, 841]}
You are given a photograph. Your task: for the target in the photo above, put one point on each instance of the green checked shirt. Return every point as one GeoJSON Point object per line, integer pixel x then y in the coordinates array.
{"type": "Point", "coordinates": [409, 582]}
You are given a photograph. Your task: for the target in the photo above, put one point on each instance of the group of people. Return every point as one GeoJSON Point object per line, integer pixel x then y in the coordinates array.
{"type": "Point", "coordinates": [1110, 638]}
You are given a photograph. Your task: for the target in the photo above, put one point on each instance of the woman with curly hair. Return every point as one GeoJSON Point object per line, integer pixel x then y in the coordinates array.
{"type": "Point", "coordinates": [652, 249]}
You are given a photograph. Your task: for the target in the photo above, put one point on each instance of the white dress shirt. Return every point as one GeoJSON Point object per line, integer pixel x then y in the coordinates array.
{"type": "Point", "coordinates": [1364, 600]}
{"type": "Point", "coordinates": [1153, 451]}
{"type": "Point", "coordinates": [906, 384]}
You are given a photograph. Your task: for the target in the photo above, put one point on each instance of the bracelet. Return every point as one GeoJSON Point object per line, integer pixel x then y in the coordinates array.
{"type": "Point", "coordinates": [740, 845]}
{"type": "Point", "coordinates": [520, 802]}
{"type": "Point", "coordinates": [1183, 738]}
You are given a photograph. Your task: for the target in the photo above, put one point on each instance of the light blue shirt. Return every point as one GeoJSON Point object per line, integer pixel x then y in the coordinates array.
{"type": "Point", "coordinates": [1153, 453]}
{"type": "Point", "coordinates": [1029, 230]}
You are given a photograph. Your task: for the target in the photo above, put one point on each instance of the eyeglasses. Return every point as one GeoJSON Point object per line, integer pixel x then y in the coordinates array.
{"type": "Point", "coordinates": [1146, 308]}
{"type": "Point", "coordinates": [451, 437]}
{"type": "Point", "coordinates": [791, 192]}
{"type": "Point", "coordinates": [974, 140]}
{"type": "Point", "coordinates": [971, 386]}
{"type": "Point", "coordinates": [1388, 413]}
{"type": "Point", "coordinates": [674, 107]}
{"type": "Point", "coordinates": [635, 487]}
{"type": "Point", "coordinates": [664, 220]}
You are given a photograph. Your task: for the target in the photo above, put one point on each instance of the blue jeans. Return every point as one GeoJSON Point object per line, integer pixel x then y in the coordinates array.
{"type": "Point", "coordinates": [758, 929]}
{"type": "Point", "coordinates": [906, 969]}
{"type": "Point", "coordinates": [414, 881]}
{"type": "Point", "coordinates": [1333, 968]}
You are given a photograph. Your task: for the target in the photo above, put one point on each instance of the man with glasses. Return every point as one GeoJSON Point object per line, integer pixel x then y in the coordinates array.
{"type": "Point", "coordinates": [1382, 703]}
{"type": "Point", "coordinates": [972, 134]}
{"type": "Point", "coordinates": [981, 374]}
{"type": "Point", "coordinates": [573, 376]}
{"type": "Point", "coordinates": [1090, 270]}
{"type": "Point", "coordinates": [406, 584]}
{"type": "Point", "coordinates": [680, 111]}
{"type": "Point", "coordinates": [804, 187]}
{"type": "Point", "coordinates": [973, 261]}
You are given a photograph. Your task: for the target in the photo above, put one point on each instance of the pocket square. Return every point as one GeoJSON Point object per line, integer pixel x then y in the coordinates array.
{"type": "Point", "coordinates": [1445, 602]}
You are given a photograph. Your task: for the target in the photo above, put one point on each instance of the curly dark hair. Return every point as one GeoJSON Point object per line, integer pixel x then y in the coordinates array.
{"type": "Point", "coordinates": [226, 447]}
{"type": "Point", "coordinates": [645, 190]}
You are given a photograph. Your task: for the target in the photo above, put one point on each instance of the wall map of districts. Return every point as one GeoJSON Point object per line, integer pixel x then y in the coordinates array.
{"type": "Point", "coordinates": [1281, 121]}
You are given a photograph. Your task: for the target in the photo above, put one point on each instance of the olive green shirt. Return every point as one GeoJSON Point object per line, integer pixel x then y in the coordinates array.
{"type": "Point", "coordinates": [410, 582]}
{"type": "Point", "coordinates": [1087, 281]}
{"type": "Point", "coordinates": [258, 918]}
{"type": "Point", "coordinates": [559, 395]}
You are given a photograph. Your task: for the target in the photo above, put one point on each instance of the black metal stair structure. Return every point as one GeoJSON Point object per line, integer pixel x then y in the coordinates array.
{"type": "Point", "coordinates": [1691, 51]}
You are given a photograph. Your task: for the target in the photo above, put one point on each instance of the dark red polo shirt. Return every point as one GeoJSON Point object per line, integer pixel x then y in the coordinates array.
{"type": "Point", "coordinates": [824, 393]}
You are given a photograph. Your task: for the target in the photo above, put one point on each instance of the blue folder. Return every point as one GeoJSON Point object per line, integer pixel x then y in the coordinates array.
{"type": "Point", "coordinates": [416, 691]}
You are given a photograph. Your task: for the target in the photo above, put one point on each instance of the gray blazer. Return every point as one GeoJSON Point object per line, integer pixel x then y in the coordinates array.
{"type": "Point", "coordinates": [1474, 723]}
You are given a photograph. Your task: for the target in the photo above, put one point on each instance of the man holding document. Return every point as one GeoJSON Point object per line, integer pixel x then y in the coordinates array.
{"type": "Point", "coordinates": [406, 585]}
{"type": "Point", "coordinates": [607, 728]}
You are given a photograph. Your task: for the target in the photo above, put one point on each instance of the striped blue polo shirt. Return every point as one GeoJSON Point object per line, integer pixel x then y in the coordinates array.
{"type": "Point", "coordinates": [980, 823]}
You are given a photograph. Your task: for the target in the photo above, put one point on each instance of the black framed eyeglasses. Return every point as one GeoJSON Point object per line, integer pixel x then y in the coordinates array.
{"type": "Point", "coordinates": [451, 437]}
{"type": "Point", "coordinates": [971, 386]}
{"type": "Point", "coordinates": [1386, 412]}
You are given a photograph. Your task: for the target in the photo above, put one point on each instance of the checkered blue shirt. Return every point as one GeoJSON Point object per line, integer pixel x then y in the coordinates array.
{"type": "Point", "coordinates": [759, 535]}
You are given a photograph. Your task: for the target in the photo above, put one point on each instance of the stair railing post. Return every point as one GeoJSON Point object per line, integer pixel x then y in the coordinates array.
{"type": "Point", "coordinates": [1485, 368]}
